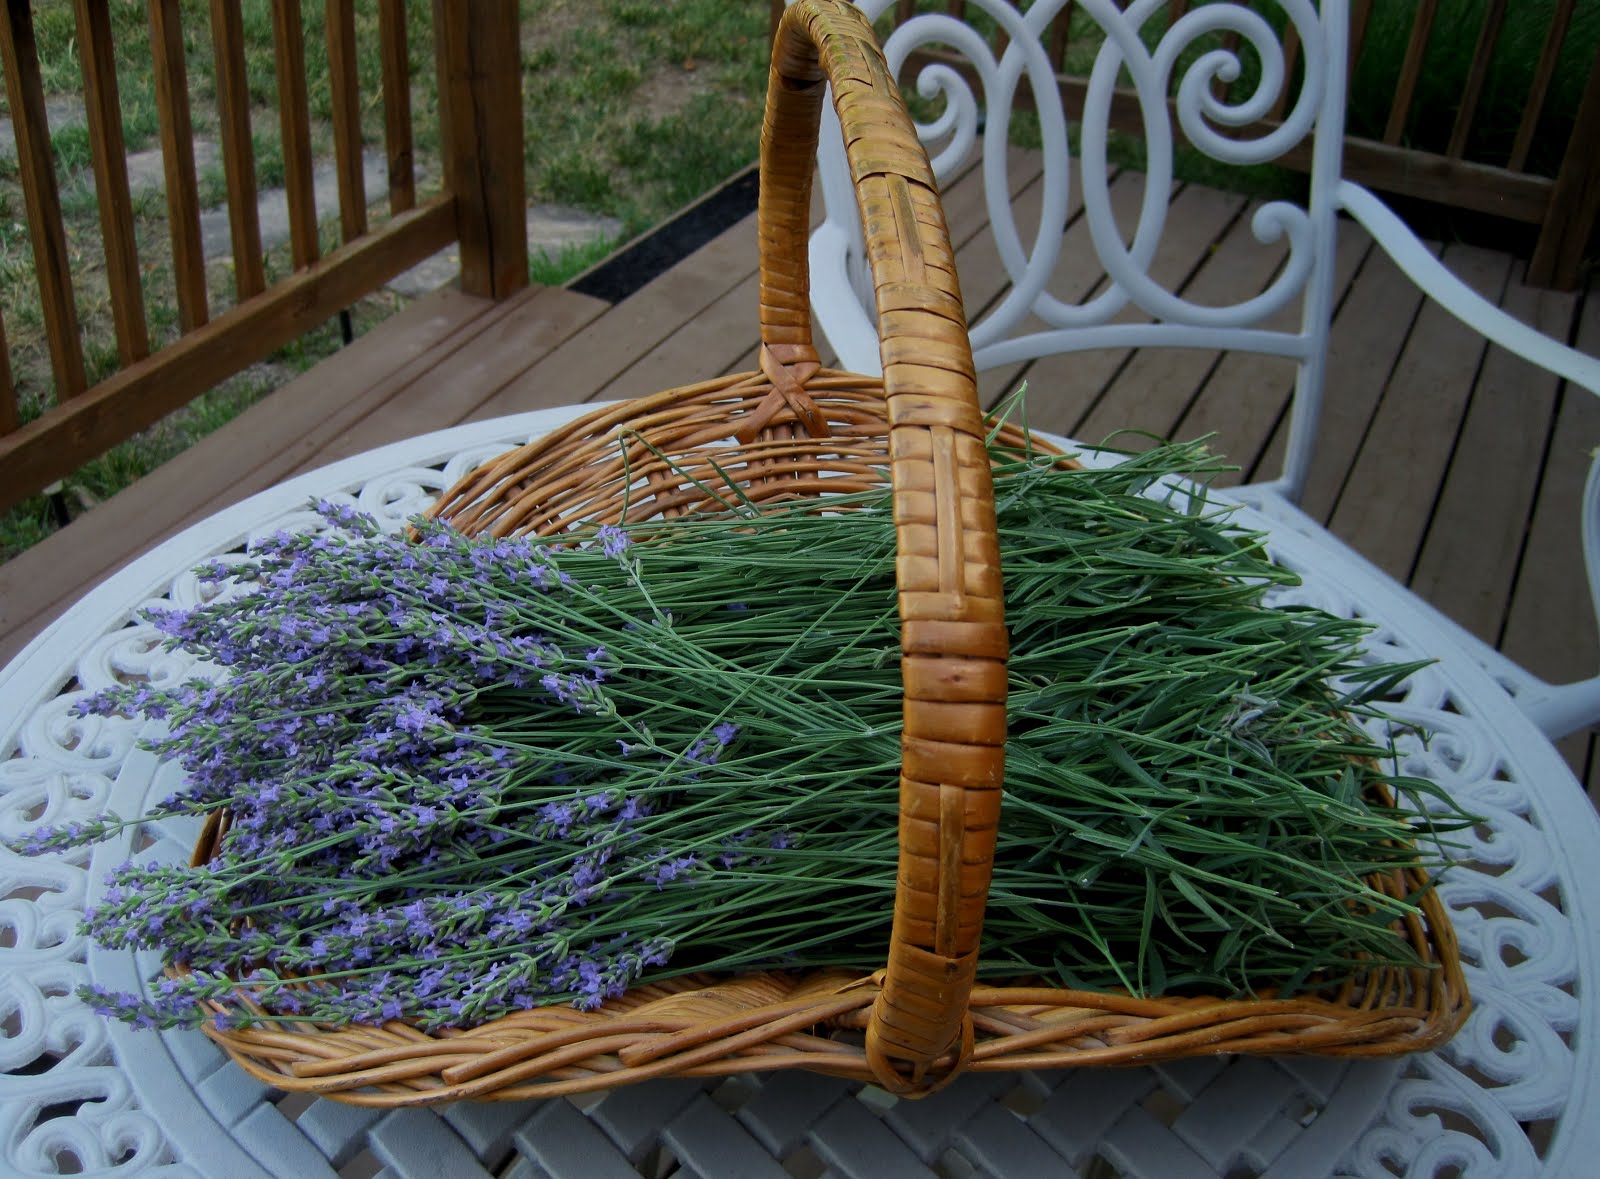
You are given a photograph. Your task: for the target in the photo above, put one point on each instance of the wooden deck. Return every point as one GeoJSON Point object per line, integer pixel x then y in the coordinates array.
{"type": "Point", "coordinates": [1454, 466]}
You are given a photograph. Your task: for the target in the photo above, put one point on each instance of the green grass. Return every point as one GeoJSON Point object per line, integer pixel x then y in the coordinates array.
{"type": "Point", "coordinates": [553, 268]}
{"type": "Point", "coordinates": [633, 109]}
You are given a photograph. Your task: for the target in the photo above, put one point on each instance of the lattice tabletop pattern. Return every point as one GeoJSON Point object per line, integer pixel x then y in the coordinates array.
{"type": "Point", "coordinates": [1513, 1094]}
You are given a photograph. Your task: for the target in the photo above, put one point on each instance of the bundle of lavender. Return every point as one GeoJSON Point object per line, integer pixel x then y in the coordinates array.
{"type": "Point", "coordinates": [467, 777]}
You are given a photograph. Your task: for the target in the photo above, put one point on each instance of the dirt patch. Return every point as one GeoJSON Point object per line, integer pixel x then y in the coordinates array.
{"type": "Point", "coordinates": [671, 88]}
{"type": "Point", "coordinates": [554, 22]}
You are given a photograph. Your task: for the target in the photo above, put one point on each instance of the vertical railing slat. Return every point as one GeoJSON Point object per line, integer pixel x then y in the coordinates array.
{"type": "Point", "coordinates": [397, 142]}
{"type": "Point", "coordinates": [238, 152]}
{"type": "Point", "coordinates": [177, 156]}
{"type": "Point", "coordinates": [1176, 11]}
{"type": "Point", "coordinates": [103, 111]}
{"type": "Point", "coordinates": [1360, 15]}
{"type": "Point", "coordinates": [294, 113]}
{"type": "Point", "coordinates": [1219, 88]}
{"type": "Point", "coordinates": [345, 85]}
{"type": "Point", "coordinates": [1060, 37]}
{"type": "Point", "coordinates": [1574, 207]}
{"type": "Point", "coordinates": [10, 412]}
{"type": "Point", "coordinates": [1542, 75]}
{"type": "Point", "coordinates": [1410, 71]}
{"type": "Point", "coordinates": [447, 150]}
{"type": "Point", "coordinates": [20, 56]}
{"type": "Point", "coordinates": [1488, 33]}
{"type": "Point", "coordinates": [1291, 56]}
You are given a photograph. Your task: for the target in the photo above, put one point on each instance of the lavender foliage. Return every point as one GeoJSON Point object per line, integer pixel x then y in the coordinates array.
{"type": "Point", "coordinates": [394, 849]}
{"type": "Point", "coordinates": [462, 778]}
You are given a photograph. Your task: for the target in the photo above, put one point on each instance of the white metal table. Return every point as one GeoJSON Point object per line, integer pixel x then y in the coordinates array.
{"type": "Point", "coordinates": [1516, 1093]}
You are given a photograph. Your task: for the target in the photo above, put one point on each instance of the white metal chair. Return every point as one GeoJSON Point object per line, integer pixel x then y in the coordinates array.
{"type": "Point", "coordinates": [1008, 332]}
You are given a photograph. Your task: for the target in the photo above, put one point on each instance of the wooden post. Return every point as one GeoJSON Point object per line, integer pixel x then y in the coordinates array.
{"type": "Point", "coordinates": [480, 111]}
{"type": "Point", "coordinates": [1574, 208]}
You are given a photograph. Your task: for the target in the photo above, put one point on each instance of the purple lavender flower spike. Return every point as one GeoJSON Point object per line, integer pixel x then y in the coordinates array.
{"type": "Point", "coordinates": [614, 542]}
{"type": "Point", "coordinates": [665, 872]}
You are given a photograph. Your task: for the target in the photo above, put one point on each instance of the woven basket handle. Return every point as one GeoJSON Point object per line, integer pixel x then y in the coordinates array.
{"type": "Point", "coordinates": [953, 636]}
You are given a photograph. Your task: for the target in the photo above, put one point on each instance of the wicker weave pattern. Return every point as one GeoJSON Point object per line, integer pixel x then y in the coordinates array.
{"type": "Point", "coordinates": [805, 431]}
{"type": "Point", "coordinates": [951, 607]}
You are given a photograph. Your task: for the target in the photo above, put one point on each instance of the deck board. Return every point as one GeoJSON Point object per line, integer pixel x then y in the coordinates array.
{"type": "Point", "coordinates": [966, 210]}
{"type": "Point", "coordinates": [1060, 396]}
{"type": "Point", "coordinates": [594, 357]}
{"type": "Point", "coordinates": [235, 461]}
{"type": "Point", "coordinates": [1155, 388]}
{"type": "Point", "coordinates": [1433, 456]}
{"type": "Point", "coordinates": [1550, 625]}
{"type": "Point", "coordinates": [1370, 327]}
{"type": "Point", "coordinates": [1405, 453]}
{"type": "Point", "coordinates": [709, 344]}
{"type": "Point", "coordinates": [462, 381]}
{"type": "Point", "coordinates": [1473, 542]}
{"type": "Point", "coordinates": [985, 279]}
{"type": "Point", "coordinates": [1068, 393]}
{"type": "Point", "coordinates": [285, 433]}
{"type": "Point", "coordinates": [1582, 750]}
{"type": "Point", "coordinates": [1246, 395]}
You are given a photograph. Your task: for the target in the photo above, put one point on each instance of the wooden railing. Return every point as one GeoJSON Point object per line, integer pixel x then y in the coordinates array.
{"type": "Point", "coordinates": [480, 207]}
{"type": "Point", "coordinates": [1564, 205]}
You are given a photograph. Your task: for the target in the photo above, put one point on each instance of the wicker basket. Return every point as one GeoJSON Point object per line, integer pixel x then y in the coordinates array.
{"type": "Point", "coordinates": [794, 429]}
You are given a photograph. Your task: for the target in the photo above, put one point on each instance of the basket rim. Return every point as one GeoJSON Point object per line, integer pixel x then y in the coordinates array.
{"type": "Point", "coordinates": [921, 1022]}
{"type": "Point", "coordinates": [770, 1020]}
